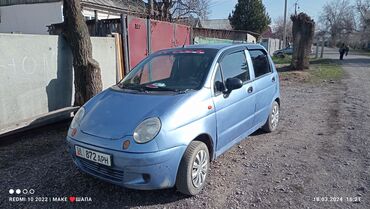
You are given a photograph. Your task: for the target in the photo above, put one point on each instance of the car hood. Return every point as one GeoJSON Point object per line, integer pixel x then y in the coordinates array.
{"type": "Point", "coordinates": [114, 114]}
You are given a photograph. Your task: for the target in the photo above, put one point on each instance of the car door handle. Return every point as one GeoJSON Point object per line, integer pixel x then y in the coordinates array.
{"type": "Point", "coordinates": [273, 79]}
{"type": "Point", "coordinates": [250, 89]}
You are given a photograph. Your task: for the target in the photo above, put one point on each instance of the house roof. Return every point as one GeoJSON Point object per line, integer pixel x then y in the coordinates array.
{"type": "Point", "coordinates": [119, 5]}
{"type": "Point", "coordinates": [219, 24]}
{"type": "Point", "coordinates": [15, 2]}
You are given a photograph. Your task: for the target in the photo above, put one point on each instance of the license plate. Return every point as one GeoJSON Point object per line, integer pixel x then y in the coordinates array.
{"type": "Point", "coordinates": [94, 156]}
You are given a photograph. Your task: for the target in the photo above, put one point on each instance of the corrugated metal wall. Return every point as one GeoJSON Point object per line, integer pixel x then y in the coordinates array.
{"type": "Point", "coordinates": [137, 39]}
{"type": "Point", "coordinates": [162, 35]}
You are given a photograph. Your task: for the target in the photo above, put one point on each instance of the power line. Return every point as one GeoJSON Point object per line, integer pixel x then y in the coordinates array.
{"type": "Point", "coordinates": [217, 3]}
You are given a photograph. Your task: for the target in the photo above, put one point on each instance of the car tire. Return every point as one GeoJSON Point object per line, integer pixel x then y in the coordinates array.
{"type": "Point", "coordinates": [273, 119]}
{"type": "Point", "coordinates": [196, 154]}
{"type": "Point", "coordinates": [281, 55]}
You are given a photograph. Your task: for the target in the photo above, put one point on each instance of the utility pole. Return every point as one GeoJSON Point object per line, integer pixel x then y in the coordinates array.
{"type": "Point", "coordinates": [285, 14]}
{"type": "Point", "coordinates": [150, 8]}
{"type": "Point", "coordinates": [296, 7]}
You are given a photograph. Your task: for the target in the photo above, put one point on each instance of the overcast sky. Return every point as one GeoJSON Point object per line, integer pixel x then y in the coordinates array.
{"type": "Point", "coordinates": [221, 8]}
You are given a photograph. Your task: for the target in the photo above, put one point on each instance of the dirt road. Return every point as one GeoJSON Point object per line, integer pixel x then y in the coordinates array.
{"type": "Point", "coordinates": [321, 150]}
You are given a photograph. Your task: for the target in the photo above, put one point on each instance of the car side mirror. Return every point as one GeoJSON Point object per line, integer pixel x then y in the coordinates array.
{"type": "Point", "coordinates": [233, 84]}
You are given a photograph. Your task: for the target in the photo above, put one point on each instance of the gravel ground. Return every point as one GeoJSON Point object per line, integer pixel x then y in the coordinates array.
{"type": "Point", "coordinates": [321, 149]}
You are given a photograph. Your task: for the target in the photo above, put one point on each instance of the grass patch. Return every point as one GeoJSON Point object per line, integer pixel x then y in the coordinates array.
{"type": "Point", "coordinates": [360, 52]}
{"type": "Point", "coordinates": [325, 70]}
{"type": "Point", "coordinates": [282, 60]}
{"type": "Point", "coordinates": [321, 70]}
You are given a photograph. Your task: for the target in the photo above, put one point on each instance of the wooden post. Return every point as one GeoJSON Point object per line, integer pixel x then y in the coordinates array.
{"type": "Point", "coordinates": [317, 47]}
{"type": "Point", "coordinates": [119, 57]}
{"type": "Point", "coordinates": [125, 45]}
{"type": "Point", "coordinates": [322, 47]}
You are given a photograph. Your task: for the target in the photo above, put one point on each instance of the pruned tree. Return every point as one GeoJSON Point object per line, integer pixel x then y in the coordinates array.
{"type": "Point", "coordinates": [303, 32]}
{"type": "Point", "coordinates": [87, 75]}
{"type": "Point", "coordinates": [174, 9]}
{"type": "Point", "coordinates": [338, 19]}
{"type": "Point", "coordinates": [250, 15]}
{"type": "Point", "coordinates": [278, 29]}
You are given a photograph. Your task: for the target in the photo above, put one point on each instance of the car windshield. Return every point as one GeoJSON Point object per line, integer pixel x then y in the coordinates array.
{"type": "Point", "coordinates": [172, 70]}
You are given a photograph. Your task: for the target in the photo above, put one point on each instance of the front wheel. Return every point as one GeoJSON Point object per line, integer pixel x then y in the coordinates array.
{"type": "Point", "coordinates": [273, 119]}
{"type": "Point", "coordinates": [193, 170]}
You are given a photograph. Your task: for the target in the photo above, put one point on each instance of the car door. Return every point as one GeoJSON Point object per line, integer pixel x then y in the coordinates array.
{"type": "Point", "coordinates": [264, 84]}
{"type": "Point", "coordinates": [234, 111]}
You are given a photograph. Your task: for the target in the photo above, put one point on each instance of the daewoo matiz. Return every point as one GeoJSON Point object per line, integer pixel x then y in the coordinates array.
{"type": "Point", "coordinates": [175, 112]}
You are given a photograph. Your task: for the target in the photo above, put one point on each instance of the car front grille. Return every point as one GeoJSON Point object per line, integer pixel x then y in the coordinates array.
{"type": "Point", "coordinates": [102, 170]}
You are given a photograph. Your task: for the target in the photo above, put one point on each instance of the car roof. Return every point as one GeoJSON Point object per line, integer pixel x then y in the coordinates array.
{"type": "Point", "coordinates": [214, 47]}
{"type": "Point", "coordinates": [224, 46]}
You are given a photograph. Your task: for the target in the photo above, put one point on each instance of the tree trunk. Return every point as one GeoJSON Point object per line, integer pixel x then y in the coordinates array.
{"type": "Point", "coordinates": [303, 32]}
{"type": "Point", "coordinates": [87, 77]}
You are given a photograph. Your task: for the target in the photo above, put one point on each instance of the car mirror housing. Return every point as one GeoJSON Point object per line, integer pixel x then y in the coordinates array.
{"type": "Point", "coordinates": [233, 84]}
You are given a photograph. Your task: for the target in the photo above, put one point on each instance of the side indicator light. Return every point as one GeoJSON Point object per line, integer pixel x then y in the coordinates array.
{"type": "Point", "coordinates": [126, 144]}
{"type": "Point", "coordinates": [210, 107]}
{"type": "Point", "coordinates": [74, 132]}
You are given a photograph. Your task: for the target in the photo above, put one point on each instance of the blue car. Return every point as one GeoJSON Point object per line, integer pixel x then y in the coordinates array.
{"type": "Point", "coordinates": [173, 114]}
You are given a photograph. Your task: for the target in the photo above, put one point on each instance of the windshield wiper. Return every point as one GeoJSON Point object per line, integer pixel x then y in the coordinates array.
{"type": "Point", "coordinates": [160, 88]}
{"type": "Point", "coordinates": [132, 86]}
{"type": "Point", "coordinates": [147, 88]}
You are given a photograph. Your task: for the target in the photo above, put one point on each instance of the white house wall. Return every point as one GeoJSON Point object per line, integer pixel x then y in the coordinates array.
{"type": "Point", "coordinates": [36, 75]}
{"type": "Point", "coordinates": [30, 18]}
{"type": "Point", "coordinates": [90, 14]}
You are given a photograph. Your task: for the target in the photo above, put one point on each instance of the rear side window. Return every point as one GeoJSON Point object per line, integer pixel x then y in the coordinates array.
{"type": "Point", "coordinates": [261, 63]}
{"type": "Point", "coordinates": [235, 66]}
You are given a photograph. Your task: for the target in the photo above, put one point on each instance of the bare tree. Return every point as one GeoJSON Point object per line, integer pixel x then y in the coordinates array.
{"type": "Point", "coordinates": [303, 32]}
{"type": "Point", "coordinates": [278, 29]}
{"type": "Point", "coordinates": [338, 19]}
{"type": "Point", "coordinates": [86, 70]}
{"type": "Point", "coordinates": [173, 9]}
{"type": "Point", "coordinates": [363, 9]}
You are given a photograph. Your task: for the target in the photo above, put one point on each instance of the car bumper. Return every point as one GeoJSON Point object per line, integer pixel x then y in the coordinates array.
{"type": "Point", "coordinates": [144, 171]}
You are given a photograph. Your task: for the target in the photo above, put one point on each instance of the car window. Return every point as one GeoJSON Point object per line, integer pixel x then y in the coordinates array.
{"type": "Point", "coordinates": [261, 63]}
{"type": "Point", "coordinates": [235, 66]}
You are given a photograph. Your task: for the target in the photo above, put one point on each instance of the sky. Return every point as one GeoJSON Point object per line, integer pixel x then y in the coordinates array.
{"type": "Point", "coordinates": [220, 9]}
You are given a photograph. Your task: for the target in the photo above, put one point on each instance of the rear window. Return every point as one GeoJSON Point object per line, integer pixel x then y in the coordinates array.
{"type": "Point", "coordinates": [261, 63]}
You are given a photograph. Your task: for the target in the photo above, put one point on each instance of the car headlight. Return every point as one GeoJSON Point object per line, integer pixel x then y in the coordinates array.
{"type": "Point", "coordinates": [147, 130]}
{"type": "Point", "coordinates": [77, 118]}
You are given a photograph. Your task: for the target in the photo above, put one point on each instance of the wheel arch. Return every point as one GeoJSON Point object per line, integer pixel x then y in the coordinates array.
{"type": "Point", "coordinates": [277, 99]}
{"type": "Point", "coordinates": [206, 139]}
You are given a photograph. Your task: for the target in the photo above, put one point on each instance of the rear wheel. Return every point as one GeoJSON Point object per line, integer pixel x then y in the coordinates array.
{"type": "Point", "coordinates": [193, 170]}
{"type": "Point", "coordinates": [273, 119]}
